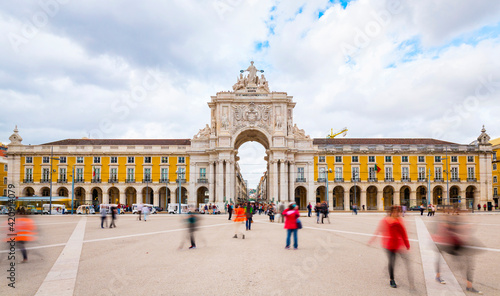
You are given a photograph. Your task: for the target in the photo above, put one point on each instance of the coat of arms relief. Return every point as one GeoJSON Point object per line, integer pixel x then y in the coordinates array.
{"type": "Point", "coordinates": [252, 115]}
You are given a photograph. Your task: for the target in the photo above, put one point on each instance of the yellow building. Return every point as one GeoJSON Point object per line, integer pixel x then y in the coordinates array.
{"type": "Point", "coordinates": [3, 170]}
{"type": "Point", "coordinates": [495, 169]}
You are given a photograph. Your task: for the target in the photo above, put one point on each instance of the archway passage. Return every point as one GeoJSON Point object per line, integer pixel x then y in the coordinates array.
{"type": "Point", "coordinates": [96, 196]}
{"type": "Point", "coordinates": [147, 195]}
{"type": "Point", "coordinates": [202, 196]}
{"type": "Point", "coordinates": [79, 196]}
{"type": "Point", "coordinates": [301, 197]}
{"type": "Point", "coordinates": [454, 195]}
{"type": "Point", "coordinates": [130, 196]}
{"type": "Point", "coordinates": [371, 198]}
{"type": "Point", "coordinates": [404, 196]}
{"type": "Point", "coordinates": [320, 194]}
{"type": "Point", "coordinates": [114, 195]}
{"type": "Point", "coordinates": [437, 195]}
{"type": "Point", "coordinates": [184, 195]}
{"type": "Point", "coordinates": [355, 197]}
{"type": "Point", "coordinates": [63, 192]}
{"type": "Point", "coordinates": [338, 198]}
{"type": "Point", "coordinates": [28, 191]}
{"type": "Point", "coordinates": [388, 197]}
{"type": "Point", "coordinates": [45, 191]}
{"type": "Point", "coordinates": [165, 198]}
{"type": "Point", "coordinates": [470, 197]}
{"type": "Point", "coordinates": [421, 196]}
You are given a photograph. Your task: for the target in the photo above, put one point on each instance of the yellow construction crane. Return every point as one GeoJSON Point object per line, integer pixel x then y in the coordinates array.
{"type": "Point", "coordinates": [332, 135]}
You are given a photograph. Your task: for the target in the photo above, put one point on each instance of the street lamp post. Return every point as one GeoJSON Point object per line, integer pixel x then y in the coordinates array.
{"type": "Point", "coordinates": [355, 179]}
{"type": "Point", "coordinates": [72, 188]}
{"type": "Point", "coordinates": [51, 158]}
{"type": "Point", "coordinates": [179, 188]}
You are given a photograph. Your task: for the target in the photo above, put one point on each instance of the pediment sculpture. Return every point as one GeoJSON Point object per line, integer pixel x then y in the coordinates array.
{"type": "Point", "coordinates": [204, 133]}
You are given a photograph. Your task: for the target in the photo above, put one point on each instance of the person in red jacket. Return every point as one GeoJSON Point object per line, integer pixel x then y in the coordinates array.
{"type": "Point", "coordinates": [394, 238]}
{"type": "Point", "coordinates": [291, 215]}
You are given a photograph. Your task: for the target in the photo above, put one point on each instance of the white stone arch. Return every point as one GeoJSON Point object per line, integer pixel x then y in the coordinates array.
{"type": "Point", "coordinates": [255, 134]}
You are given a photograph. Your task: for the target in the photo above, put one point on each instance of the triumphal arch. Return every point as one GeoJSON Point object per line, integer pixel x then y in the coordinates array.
{"type": "Point", "coordinates": [251, 112]}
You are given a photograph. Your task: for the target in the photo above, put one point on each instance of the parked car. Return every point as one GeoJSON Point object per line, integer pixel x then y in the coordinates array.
{"type": "Point", "coordinates": [152, 209]}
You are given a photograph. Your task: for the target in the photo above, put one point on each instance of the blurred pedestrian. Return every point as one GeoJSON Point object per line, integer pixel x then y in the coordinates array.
{"type": "Point", "coordinates": [249, 215]}
{"type": "Point", "coordinates": [291, 216]}
{"type": "Point", "coordinates": [281, 208]}
{"type": "Point", "coordinates": [309, 209]}
{"type": "Point", "coordinates": [104, 218]}
{"type": "Point", "coordinates": [145, 211]}
{"type": "Point", "coordinates": [239, 218]}
{"type": "Point", "coordinates": [139, 210]}
{"type": "Point", "coordinates": [230, 210]}
{"type": "Point", "coordinates": [24, 231]}
{"type": "Point", "coordinates": [354, 209]}
{"type": "Point", "coordinates": [453, 236]}
{"type": "Point", "coordinates": [484, 207]}
{"type": "Point", "coordinates": [113, 217]}
{"type": "Point", "coordinates": [422, 209]}
{"type": "Point", "coordinates": [317, 210]}
{"type": "Point", "coordinates": [324, 212]}
{"type": "Point", "coordinates": [192, 224]}
{"type": "Point", "coordinates": [270, 212]}
{"type": "Point", "coordinates": [394, 238]}
{"type": "Point", "coordinates": [403, 210]}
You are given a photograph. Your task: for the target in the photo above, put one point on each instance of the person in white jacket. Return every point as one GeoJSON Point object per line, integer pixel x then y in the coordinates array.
{"type": "Point", "coordinates": [145, 211]}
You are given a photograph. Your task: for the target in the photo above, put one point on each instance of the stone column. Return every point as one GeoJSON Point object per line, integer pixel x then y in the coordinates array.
{"type": "Point", "coordinates": [413, 197]}
{"type": "Point", "coordinates": [311, 193]}
{"type": "Point", "coordinates": [211, 181]}
{"type": "Point", "coordinates": [274, 181]}
{"type": "Point", "coordinates": [105, 198]}
{"type": "Point", "coordinates": [232, 180]}
{"type": "Point", "coordinates": [156, 198]}
{"type": "Point", "coordinates": [346, 201]}
{"type": "Point", "coordinates": [88, 196]}
{"type": "Point", "coordinates": [227, 180]}
{"type": "Point", "coordinates": [396, 198]}
{"type": "Point", "coordinates": [363, 199]}
{"type": "Point", "coordinates": [139, 196]}
{"type": "Point", "coordinates": [123, 197]}
{"type": "Point", "coordinates": [191, 185]}
{"type": "Point", "coordinates": [380, 200]}
{"type": "Point", "coordinates": [291, 184]}
{"type": "Point", "coordinates": [220, 181]}
{"type": "Point", "coordinates": [283, 181]}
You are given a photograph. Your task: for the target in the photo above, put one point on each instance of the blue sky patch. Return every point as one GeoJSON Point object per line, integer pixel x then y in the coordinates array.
{"type": "Point", "coordinates": [260, 45]}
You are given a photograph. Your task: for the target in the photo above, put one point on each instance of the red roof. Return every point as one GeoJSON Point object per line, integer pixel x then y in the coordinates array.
{"type": "Point", "coordinates": [121, 142]}
{"type": "Point", "coordinates": [380, 141]}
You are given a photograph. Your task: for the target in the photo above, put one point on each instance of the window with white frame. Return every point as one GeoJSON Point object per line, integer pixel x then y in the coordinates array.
{"type": "Point", "coordinates": [495, 179]}
{"type": "Point", "coordinates": [29, 159]}
{"type": "Point", "coordinates": [338, 159]}
{"type": "Point", "coordinates": [164, 174]}
{"type": "Point", "coordinates": [62, 159]}
{"type": "Point", "coordinates": [147, 174]}
{"type": "Point", "coordinates": [203, 173]}
{"type": "Point", "coordinates": [495, 191]}
{"type": "Point", "coordinates": [470, 173]}
{"type": "Point", "coordinates": [5, 168]}
{"type": "Point", "coordinates": [388, 159]}
{"type": "Point", "coordinates": [322, 173]}
{"type": "Point", "coordinates": [181, 159]}
{"type": "Point", "coordinates": [355, 159]}
{"type": "Point", "coordinates": [454, 159]}
{"type": "Point", "coordinates": [113, 174]}
{"type": "Point", "coordinates": [79, 174]}
{"type": "Point", "coordinates": [113, 159]}
{"type": "Point", "coordinates": [29, 174]}
{"type": "Point", "coordinates": [371, 173]}
{"type": "Point", "coordinates": [405, 173]}
{"type": "Point", "coordinates": [421, 158]}
{"type": "Point", "coordinates": [321, 159]}
{"type": "Point", "coordinates": [494, 156]}
{"type": "Point", "coordinates": [421, 173]}
{"type": "Point", "coordinates": [45, 174]}
{"type": "Point", "coordinates": [355, 173]}
{"type": "Point", "coordinates": [338, 173]}
{"type": "Point", "coordinates": [130, 174]}
{"type": "Point", "coordinates": [437, 158]}
{"type": "Point", "coordinates": [130, 159]}
{"type": "Point", "coordinates": [96, 173]}
{"type": "Point", "coordinates": [494, 166]}
{"type": "Point", "coordinates": [300, 173]}
{"type": "Point", "coordinates": [404, 158]}
{"type": "Point", "coordinates": [470, 158]}
{"type": "Point", "coordinates": [182, 173]}
{"type": "Point", "coordinates": [371, 158]}
{"type": "Point", "coordinates": [388, 172]}
{"type": "Point", "coordinates": [454, 173]}
{"type": "Point", "coordinates": [147, 159]}
{"type": "Point", "coordinates": [97, 159]}
{"type": "Point", "coordinates": [164, 159]}
{"type": "Point", "coordinates": [45, 159]}
{"type": "Point", "coordinates": [62, 174]}
{"type": "Point", "coordinates": [79, 159]}
{"type": "Point", "coordinates": [438, 173]}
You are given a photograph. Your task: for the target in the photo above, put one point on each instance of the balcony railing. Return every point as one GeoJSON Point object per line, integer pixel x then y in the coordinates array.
{"type": "Point", "coordinates": [422, 179]}
{"type": "Point", "coordinates": [455, 179]}
{"type": "Point", "coordinates": [203, 180]}
{"type": "Point", "coordinates": [372, 180]}
{"type": "Point", "coordinates": [130, 181]}
{"type": "Point", "coordinates": [62, 181]}
{"type": "Point", "coordinates": [355, 180]}
{"type": "Point", "coordinates": [30, 180]}
{"type": "Point", "coordinates": [405, 179]}
{"type": "Point", "coordinates": [321, 180]}
{"type": "Point", "coordinates": [471, 180]}
{"type": "Point", "coordinates": [113, 180]}
{"type": "Point", "coordinates": [79, 180]}
{"type": "Point", "coordinates": [181, 180]}
{"type": "Point", "coordinates": [300, 180]}
{"type": "Point", "coordinates": [338, 180]}
{"type": "Point", "coordinates": [95, 180]}
{"type": "Point", "coordinates": [147, 180]}
{"type": "Point", "coordinates": [45, 181]}
{"type": "Point", "coordinates": [389, 179]}
{"type": "Point", "coordinates": [162, 180]}
{"type": "Point", "coordinates": [438, 180]}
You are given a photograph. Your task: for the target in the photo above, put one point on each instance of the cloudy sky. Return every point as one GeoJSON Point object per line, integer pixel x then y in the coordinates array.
{"type": "Point", "coordinates": [145, 69]}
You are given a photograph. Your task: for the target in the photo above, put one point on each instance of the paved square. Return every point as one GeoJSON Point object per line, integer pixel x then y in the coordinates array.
{"type": "Point", "coordinates": [141, 257]}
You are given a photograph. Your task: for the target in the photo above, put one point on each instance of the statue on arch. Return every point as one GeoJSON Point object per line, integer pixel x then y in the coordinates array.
{"type": "Point", "coordinates": [252, 73]}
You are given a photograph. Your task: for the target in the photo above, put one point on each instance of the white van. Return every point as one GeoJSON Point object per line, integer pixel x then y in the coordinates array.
{"type": "Point", "coordinates": [56, 209]}
{"type": "Point", "coordinates": [174, 208]}
{"type": "Point", "coordinates": [85, 209]}
{"type": "Point", "coordinates": [108, 207]}
{"type": "Point", "coordinates": [220, 208]}
{"type": "Point", "coordinates": [152, 209]}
